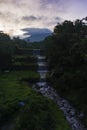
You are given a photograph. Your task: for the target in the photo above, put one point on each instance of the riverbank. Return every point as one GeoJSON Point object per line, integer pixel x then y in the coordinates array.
{"type": "Point", "coordinates": [42, 87]}
{"type": "Point", "coordinates": [23, 108]}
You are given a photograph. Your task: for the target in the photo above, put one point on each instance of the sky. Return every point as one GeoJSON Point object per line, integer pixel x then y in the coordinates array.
{"type": "Point", "coordinates": [16, 15]}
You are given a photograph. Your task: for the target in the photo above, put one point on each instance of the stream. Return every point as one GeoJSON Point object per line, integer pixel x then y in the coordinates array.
{"type": "Point", "coordinates": [72, 116]}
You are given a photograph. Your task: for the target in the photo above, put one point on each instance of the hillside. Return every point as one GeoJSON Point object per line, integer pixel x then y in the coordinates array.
{"type": "Point", "coordinates": [36, 34]}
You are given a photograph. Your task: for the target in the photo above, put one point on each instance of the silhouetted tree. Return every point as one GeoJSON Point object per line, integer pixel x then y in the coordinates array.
{"type": "Point", "coordinates": [66, 51]}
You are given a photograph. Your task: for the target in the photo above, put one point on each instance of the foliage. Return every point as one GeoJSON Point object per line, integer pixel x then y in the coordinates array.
{"type": "Point", "coordinates": [12, 91]}
{"type": "Point", "coordinates": [23, 62]}
{"type": "Point", "coordinates": [19, 104]}
{"type": "Point", "coordinates": [10, 47]}
{"type": "Point", "coordinates": [41, 113]}
{"type": "Point", "coordinates": [5, 50]}
{"type": "Point", "coordinates": [66, 51]}
{"type": "Point", "coordinates": [37, 112]}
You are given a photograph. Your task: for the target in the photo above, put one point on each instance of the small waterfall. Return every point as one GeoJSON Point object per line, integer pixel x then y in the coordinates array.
{"type": "Point", "coordinates": [42, 67]}
{"type": "Point", "coordinates": [41, 86]}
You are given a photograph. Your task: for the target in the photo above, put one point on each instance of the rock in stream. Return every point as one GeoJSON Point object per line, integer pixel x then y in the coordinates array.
{"type": "Point", "coordinates": [70, 112]}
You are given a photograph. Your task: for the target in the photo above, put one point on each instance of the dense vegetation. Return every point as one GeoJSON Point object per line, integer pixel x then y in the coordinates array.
{"type": "Point", "coordinates": [41, 113]}
{"type": "Point", "coordinates": [66, 52]}
{"type": "Point", "coordinates": [12, 92]}
{"type": "Point", "coordinates": [20, 107]}
{"type": "Point", "coordinates": [17, 65]}
{"type": "Point", "coordinates": [25, 109]}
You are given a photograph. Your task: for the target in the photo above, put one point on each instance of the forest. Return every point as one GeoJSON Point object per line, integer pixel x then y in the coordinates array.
{"type": "Point", "coordinates": [66, 52]}
{"type": "Point", "coordinates": [21, 108]}
{"type": "Point", "coordinates": [66, 55]}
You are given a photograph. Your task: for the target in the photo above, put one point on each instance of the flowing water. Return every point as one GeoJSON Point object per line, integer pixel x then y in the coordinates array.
{"type": "Point", "coordinates": [41, 86]}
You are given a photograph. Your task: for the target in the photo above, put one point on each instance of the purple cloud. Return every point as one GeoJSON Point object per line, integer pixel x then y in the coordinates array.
{"type": "Point", "coordinates": [20, 14]}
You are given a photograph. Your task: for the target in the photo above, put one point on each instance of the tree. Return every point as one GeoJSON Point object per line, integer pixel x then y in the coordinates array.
{"type": "Point", "coordinates": [5, 50]}
{"type": "Point", "coordinates": [66, 50]}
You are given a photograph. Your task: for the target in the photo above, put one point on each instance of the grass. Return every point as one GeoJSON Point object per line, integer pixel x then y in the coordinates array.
{"type": "Point", "coordinates": [41, 113]}
{"type": "Point", "coordinates": [23, 56]}
{"type": "Point", "coordinates": [12, 90]}
{"type": "Point", "coordinates": [38, 112]}
{"type": "Point", "coordinates": [24, 62]}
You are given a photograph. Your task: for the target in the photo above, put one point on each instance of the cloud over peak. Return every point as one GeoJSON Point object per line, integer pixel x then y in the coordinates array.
{"type": "Point", "coordinates": [18, 14]}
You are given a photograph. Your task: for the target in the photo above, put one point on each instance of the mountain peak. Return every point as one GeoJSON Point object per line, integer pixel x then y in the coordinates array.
{"type": "Point", "coordinates": [36, 34]}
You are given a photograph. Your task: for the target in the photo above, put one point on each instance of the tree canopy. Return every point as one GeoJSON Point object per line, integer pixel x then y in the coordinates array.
{"type": "Point", "coordinates": [66, 52]}
{"type": "Point", "coordinates": [9, 47]}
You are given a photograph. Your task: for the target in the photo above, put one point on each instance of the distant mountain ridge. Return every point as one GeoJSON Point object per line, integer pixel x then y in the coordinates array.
{"type": "Point", "coordinates": [36, 34]}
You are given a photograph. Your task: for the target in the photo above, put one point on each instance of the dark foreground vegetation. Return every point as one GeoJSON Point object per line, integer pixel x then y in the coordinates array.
{"type": "Point", "coordinates": [66, 52]}
{"type": "Point", "coordinates": [20, 107]}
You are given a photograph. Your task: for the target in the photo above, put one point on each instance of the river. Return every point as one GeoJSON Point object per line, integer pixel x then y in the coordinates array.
{"type": "Point", "coordinates": [71, 114]}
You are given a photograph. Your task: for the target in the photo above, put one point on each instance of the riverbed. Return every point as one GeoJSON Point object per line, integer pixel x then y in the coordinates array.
{"type": "Point", "coordinates": [72, 116]}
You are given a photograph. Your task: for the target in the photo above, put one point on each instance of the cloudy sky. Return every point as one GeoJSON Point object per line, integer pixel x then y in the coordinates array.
{"type": "Point", "coordinates": [18, 14]}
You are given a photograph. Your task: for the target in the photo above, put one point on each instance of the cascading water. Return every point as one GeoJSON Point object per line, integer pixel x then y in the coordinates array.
{"type": "Point", "coordinates": [42, 70]}
{"type": "Point", "coordinates": [41, 86]}
{"type": "Point", "coordinates": [42, 67]}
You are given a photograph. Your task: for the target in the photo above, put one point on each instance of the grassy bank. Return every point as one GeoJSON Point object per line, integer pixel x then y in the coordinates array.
{"type": "Point", "coordinates": [20, 107]}
{"type": "Point", "coordinates": [37, 112]}
{"type": "Point", "coordinates": [12, 91]}
{"type": "Point", "coordinates": [41, 113]}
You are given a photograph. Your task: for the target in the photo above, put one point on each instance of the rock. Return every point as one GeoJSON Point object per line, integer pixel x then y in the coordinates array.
{"type": "Point", "coordinates": [72, 113]}
{"type": "Point", "coordinates": [69, 112]}
{"type": "Point", "coordinates": [81, 115]}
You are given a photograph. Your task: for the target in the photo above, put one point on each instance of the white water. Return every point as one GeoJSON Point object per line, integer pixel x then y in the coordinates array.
{"type": "Point", "coordinates": [70, 113]}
